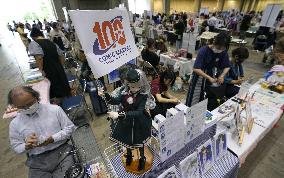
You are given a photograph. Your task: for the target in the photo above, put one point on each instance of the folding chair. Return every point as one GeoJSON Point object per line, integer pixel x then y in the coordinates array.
{"type": "Point", "coordinates": [74, 103]}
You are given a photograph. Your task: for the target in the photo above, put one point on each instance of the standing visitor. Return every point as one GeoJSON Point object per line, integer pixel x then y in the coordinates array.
{"type": "Point", "coordinates": [50, 62]}
{"type": "Point", "coordinates": [58, 37]}
{"type": "Point", "coordinates": [211, 65]}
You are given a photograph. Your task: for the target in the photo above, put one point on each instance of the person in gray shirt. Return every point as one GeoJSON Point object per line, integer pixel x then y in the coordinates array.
{"type": "Point", "coordinates": [41, 131]}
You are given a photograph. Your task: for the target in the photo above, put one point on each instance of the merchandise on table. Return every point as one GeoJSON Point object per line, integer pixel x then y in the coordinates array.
{"type": "Point", "coordinates": [205, 156]}
{"type": "Point", "coordinates": [170, 173]}
{"type": "Point", "coordinates": [220, 145]}
{"type": "Point", "coordinates": [189, 166]}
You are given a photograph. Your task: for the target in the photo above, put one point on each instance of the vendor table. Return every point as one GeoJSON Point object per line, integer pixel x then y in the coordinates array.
{"type": "Point", "coordinates": [139, 30]}
{"type": "Point", "coordinates": [208, 35]}
{"type": "Point", "coordinates": [43, 88]}
{"type": "Point", "coordinates": [240, 42]}
{"type": "Point", "coordinates": [266, 109]}
{"type": "Point", "coordinates": [185, 65]}
{"type": "Point", "coordinates": [227, 166]}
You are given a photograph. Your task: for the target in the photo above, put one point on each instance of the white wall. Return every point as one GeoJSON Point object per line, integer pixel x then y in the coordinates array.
{"type": "Point", "coordinates": [138, 6]}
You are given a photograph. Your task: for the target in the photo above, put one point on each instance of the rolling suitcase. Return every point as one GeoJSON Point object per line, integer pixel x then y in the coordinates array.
{"type": "Point", "coordinates": [98, 103]}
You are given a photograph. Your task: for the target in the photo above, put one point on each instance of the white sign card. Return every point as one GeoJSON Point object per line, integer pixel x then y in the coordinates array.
{"type": "Point", "coordinates": [189, 166]}
{"type": "Point", "coordinates": [204, 10]}
{"type": "Point", "coordinates": [195, 122]}
{"type": "Point", "coordinates": [220, 145]}
{"type": "Point", "coordinates": [270, 14]}
{"type": "Point", "coordinates": [171, 138]}
{"type": "Point", "coordinates": [106, 38]}
{"type": "Point", "coordinates": [169, 173]}
{"type": "Point", "coordinates": [205, 156]}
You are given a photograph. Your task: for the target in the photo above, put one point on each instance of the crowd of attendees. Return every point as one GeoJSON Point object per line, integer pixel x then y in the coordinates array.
{"type": "Point", "coordinates": [229, 72]}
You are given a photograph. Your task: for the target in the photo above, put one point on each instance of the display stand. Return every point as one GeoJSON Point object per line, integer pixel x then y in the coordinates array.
{"type": "Point", "coordinates": [134, 165]}
{"type": "Point", "coordinates": [227, 166]}
{"type": "Point", "coordinates": [115, 152]}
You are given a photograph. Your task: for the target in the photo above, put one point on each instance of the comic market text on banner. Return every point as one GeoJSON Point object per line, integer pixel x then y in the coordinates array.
{"type": "Point", "coordinates": [105, 37]}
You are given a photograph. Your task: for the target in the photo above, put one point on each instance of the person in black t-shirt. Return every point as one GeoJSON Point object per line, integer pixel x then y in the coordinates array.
{"type": "Point", "coordinates": [149, 54]}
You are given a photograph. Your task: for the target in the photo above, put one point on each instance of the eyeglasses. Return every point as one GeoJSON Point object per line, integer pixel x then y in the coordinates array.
{"type": "Point", "coordinates": [27, 105]}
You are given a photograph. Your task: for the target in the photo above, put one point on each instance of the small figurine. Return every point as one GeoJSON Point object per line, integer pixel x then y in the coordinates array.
{"type": "Point", "coordinates": [132, 128]}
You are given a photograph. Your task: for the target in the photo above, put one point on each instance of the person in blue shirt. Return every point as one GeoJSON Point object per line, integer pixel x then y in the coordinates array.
{"type": "Point", "coordinates": [236, 73]}
{"type": "Point", "coordinates": [211, 65]}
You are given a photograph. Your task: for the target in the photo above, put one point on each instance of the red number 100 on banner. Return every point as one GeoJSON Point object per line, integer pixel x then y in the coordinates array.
{"type": "Point", "coordinates": [116, 32]}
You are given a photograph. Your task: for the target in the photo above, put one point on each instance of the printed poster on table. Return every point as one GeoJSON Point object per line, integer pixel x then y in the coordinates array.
{"type": "Point", "coordinates": [106, 38]}
{"type": "Point", "coordinates": [189, 166]}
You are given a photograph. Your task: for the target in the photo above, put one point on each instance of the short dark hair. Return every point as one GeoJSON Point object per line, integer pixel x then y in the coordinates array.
{"type": "Point", "coordinates": [27, 89]}
{"type": "Point", "coordinates": [242, 53]}
{"type": "Point", "coordinates": [35, 32]}
{"type": "Point", "coordinates": [150, 43]}
{"type": "Point", "coordinates": [54, 24]}
{"type": "Point", "coordinates": [222, 39]}
{"type": "Point", "coordinates": [168, 75]}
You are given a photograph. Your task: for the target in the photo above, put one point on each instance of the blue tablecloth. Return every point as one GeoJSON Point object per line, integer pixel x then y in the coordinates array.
{"type": "Point", "coordinates": [227, 167]}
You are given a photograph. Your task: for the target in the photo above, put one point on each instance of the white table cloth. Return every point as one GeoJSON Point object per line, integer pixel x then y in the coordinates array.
{"type": "Point", "coordinates": [266, 109]}
{"type": "Point", "coordinates": [184, 65]}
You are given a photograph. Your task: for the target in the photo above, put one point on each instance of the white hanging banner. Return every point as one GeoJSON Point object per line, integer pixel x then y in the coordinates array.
{"type": "Point", "coordinates": [270, 14]}
{"type": "Point", "coordinates": [106, 38]}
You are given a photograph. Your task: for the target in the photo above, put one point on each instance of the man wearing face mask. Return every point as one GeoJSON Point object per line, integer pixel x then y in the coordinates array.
{"type": "Point", "coordinates": [211, 65]}
{"type": "Point", "coordinates": [41, 131]}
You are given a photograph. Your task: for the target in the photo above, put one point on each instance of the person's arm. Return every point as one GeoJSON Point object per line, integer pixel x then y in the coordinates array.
{"type": "Point", "coordinates": [39, 62]}
{"type": "Point", "coordinates": [168, 95]}
{"type": "Point", "coordinates": [161, 99]}
{"type": "Point", "coordinates": [36, 51]}
{"type": "Point", "coordinates": [203, 74]}
{"type": "Point", "coordinates": [60, 55]}
{"type": "Point", "coordinates": [241, 70]}
{"type": "Point", "coordinates": [16, 140]}
{"type": "Point", "coordinates": [67, 127]}
{"type": "Point", "coordinates": [112, 100]}
{"type": "Point", "coordinates": [225, 64]}
{"type": "Point", "coordinates": [220, 79]}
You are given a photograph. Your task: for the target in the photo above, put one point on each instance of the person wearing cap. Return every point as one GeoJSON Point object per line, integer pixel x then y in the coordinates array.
{"type": "Point", "coordinates": [50, 60]}
{"type": "Point", "coordinates": [211, 65]}
{"type": "Point", "coordinates": [133, 123]}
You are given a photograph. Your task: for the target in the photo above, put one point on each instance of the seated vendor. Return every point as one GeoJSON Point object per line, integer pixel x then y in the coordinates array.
{"type": "Point", "coordinates": [149, 54]}
{"type": "Point", "coordinates": [41, 131]}
{"type": "Point", "coordinates": [161, 45]}
{"type": "Point", "coordinates": [159, 89]}
{"type": "Point", "coordinates": [236, 73]}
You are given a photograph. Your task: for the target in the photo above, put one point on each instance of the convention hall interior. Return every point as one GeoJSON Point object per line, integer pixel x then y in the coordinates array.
{"type": "Point", "coordinates": [142, 88]}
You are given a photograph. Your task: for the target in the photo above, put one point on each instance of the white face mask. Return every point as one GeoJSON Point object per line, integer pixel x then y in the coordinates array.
{"type": "Point", "coordinates": [217, 51]}
{"type": "Point", "coordinates": [31, 110]}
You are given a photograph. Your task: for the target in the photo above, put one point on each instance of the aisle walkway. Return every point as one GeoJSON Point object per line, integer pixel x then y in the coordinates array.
{"type": "Point", "coordinates": [12, 165]}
